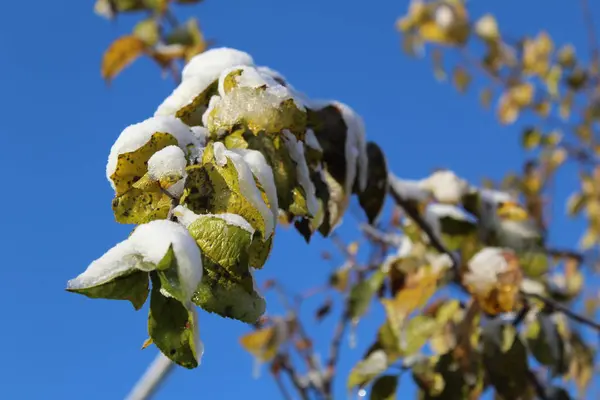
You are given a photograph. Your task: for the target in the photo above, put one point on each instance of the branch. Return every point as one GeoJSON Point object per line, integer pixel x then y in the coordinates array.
{"type": "Point", "coordinates": [411, 210]}
{"type": "Point", "coordinates": [564, 309]}
{"type": "Point", "coordinates": [284, 392]}
{"type": "Point", "coordinates": [156, 373]}
{"type": "Point", "coordinates": [334, 350]}
{"type": "Point", "coordinates": [591, 31]}
{"type": "Point", "coordinates": [287, 368]}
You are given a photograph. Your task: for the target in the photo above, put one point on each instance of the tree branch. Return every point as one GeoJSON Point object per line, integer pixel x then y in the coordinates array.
{"type": "Point", "coordinates": [564, 309]}
{"type": "Point", "coordinates": [591, 31]}
{"type": "Point", "coordinates": [334, 350]}
{"type": "Point", "coordinates": [287, 368]}
{"type": "Point", "coordinates": [411, 210]}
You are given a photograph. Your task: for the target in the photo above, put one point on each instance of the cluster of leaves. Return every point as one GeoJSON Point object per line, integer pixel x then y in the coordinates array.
{"type": "Point", "coordinates": [529, 76]}
{"type": "Point", "coordinates": [158, 36]}
{"type": "Point", "coordinates": [456, 239]}
{"type": "Point", "coordinates": [230, 152]}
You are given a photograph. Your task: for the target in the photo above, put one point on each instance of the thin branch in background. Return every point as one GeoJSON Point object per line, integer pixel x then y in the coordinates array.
{"type": "Point", "coordinates": [284, 392]}
{"type": "Point", "coordinates": [414, 214]}
{"type": "Point", "coordinates": [564, 309]}
{"type": "Point", "coordinates": [298, 385]}
{"type": "Point", "coordinates": [171, 18]}
{"type": "Point", "coordinates": [591, 30]}
{"type": "Point", "coordinates": [334, 349]}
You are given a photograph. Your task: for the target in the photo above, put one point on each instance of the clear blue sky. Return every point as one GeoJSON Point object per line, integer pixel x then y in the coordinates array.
{"type": "Point", "coordinates": [59, 121]}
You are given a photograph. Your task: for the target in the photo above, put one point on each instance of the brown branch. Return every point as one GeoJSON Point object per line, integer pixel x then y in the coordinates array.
{"type": "Point", "coordinates": [334, 350]}
{"type": "Point", "coordinates": [287, 368]}
{"type": "Point", "coordinates": [553, 304]}
{"type": "Point", "coordinates": [411, 210]}
{"type": "Point", "coordinates": [284, 392]}
{"type": "Point", "coordinates": [591, 31]}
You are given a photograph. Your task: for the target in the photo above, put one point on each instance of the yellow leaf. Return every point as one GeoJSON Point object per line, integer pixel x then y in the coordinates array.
{"type": "Point", "coordinates": [260, 343]}
{"type": "Point", "coordinates": [522, 94]}
{"type": "Point", "coordinates": [461, 79]}
{"type": "Point", "coordinates": [508, 111]}
{"type": "Point", "coordinates": [566, 56]}
{"type": "Point", "coordinates": [133, 165]}
{"type": "Point", "coordinates": [512, 211]}
{"type": "Point", "coordinates": [353, 248]}
{"type": "Point", "coordinates": [120, 54]}
{"type": "Point", "coordinates": [147, 343]}
{"type": "Point", "coordinates": [531, 138]}
{"type": "Point", "coordinates": [565, 105]}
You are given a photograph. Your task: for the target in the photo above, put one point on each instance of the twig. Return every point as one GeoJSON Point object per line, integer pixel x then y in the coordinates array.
{"type": "Point", "coordinates": [284, 392]}
{"type": "Point", "coordinates": [285, 366]}
{"type": "Point", "coordinates": [591, 30]}
{"type": "Point", "coordinates": [334, 350]}
{"type": "Point", "coordinates": [411, 210]}
{"type": "Point", "coordinates": [564, 309]}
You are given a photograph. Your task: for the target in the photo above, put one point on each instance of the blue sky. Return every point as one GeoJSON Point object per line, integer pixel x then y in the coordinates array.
{"type": "Point", "coordinates": [60, 119]}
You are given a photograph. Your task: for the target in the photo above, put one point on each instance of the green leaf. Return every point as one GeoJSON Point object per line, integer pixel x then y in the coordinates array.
{"type": "Point", "coordinates": [132, 286]}
{"type": "Point", "coordinates": [417, 332]}
{"type": "Point", "coordinates": [167, 271]}
{"type": "Point", "coordinates": [223, 244]}
{"type": "Point", "coordinates": [137, 206]}
{"type": "Point", "coordinates": [534, 263]}
{"type": "Point", "coordinates": [148, 31]}
{"type": "Point", "coordinates": [231, 297]}
{"type": "Point", "coordinates": [505, 358]}
{"type": "Point", "coordinates": [172, 327]}
{"type": "Point", "coordinates": [373, 197]}
{"type": "Point", "coordinates": [531, 138]}
{"type": "Point", "coordinates": [366, 370]}
{"type": "Point", "coordinates": [546, 343]}
{"type": "Point", "coordinates": [191, 114]}
{"type": "Point", "coordinates": [362, 293]}
{"type": "Point", "coordinates": [384, 388]}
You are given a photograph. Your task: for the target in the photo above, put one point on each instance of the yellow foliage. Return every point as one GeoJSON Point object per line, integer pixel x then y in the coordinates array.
{"type": "Point", "coordinates": [120, 54]}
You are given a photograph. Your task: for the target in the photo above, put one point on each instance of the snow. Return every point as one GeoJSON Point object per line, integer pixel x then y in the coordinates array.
{"type": "Point", "coordinates": [212, 103]}
{"type": "Point", "coordinates": [248, 187]}
{"type": "Point", "coordinates": [135, 136]}
{"type": "Point", "coordinates": [272, 73]}
{"type": "Point", "coordinates": [201, 134]}
{"type": "Point", "coordinates": [408, 189]}
{"type": "Point", "coordinates": [445, 186]}
{"type": "Point", "coordinates": [484, 267]}
{"type": "Point", "coordinates": [296, 150]}
{"type": "Point", "coordinates": [184, 94]}
{"type": "Point", "coordinates": [311, 140]}
{"type": "Point", "coordinates": [356, 147]}
{"type": "Point", "coordinates": [145, 248]}
{"type": "Point", "coordinates": [212, 62]}
{"type": "Point", "coordinates": [187, 217]}
{"type": "Point", "coordinates": [532, 287]}
{"type": "Point", "coordinates": [444, 16]}
{"type": "Point", "coordinates": [264, 173]}
{"type": "Point", "coordinates": [249, 77]}
{"type": "Point", "coordinates": [169, 161]}
{"type": "Point", "coordinates": [242, 104]}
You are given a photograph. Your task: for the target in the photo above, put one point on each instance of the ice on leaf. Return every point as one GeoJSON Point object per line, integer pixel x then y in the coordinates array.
{"type": "Point", "coordinates": [145, 250]}
{"type": "Point", "coordinates": [256, 101]}
{"type": "Point", "coordinates": [133, 148]}
{"type": "Point", "coordinates": [296, 151]}
{"type": "Point", "coordinates": [263, 172]}
{"type": "Point", "coordinates": [212, 62]}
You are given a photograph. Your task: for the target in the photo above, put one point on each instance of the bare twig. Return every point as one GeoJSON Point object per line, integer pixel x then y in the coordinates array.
{"type": "Point", "coordinates": [564, 309]}
{"type": "Point", "coordinates": [334, 350]}
{"type": "Point", "coordinates": [591, 31]}
{"type": "Point", "coordinates": [411, 210]}
{"type": "Point", "coordinates": [284, 392]}
{"type": "Point", "coordinates": [287, 368]}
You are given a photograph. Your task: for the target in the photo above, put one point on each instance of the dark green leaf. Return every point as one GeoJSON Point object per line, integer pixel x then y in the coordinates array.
{"type": "Point", "coordinates": [384, 388]}
{"type": "Point", "coordinates": [362, 293]}
{"type": "Point", "coordinates": [373, 197]}
{"type": "Point", "coordinates": [171, 327]}
{"type": "Point", "coordinates": [132, 286]}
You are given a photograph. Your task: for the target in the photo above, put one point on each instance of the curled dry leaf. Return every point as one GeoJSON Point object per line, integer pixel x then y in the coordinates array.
{"type": "Point", "coordinates": [120, 54]}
